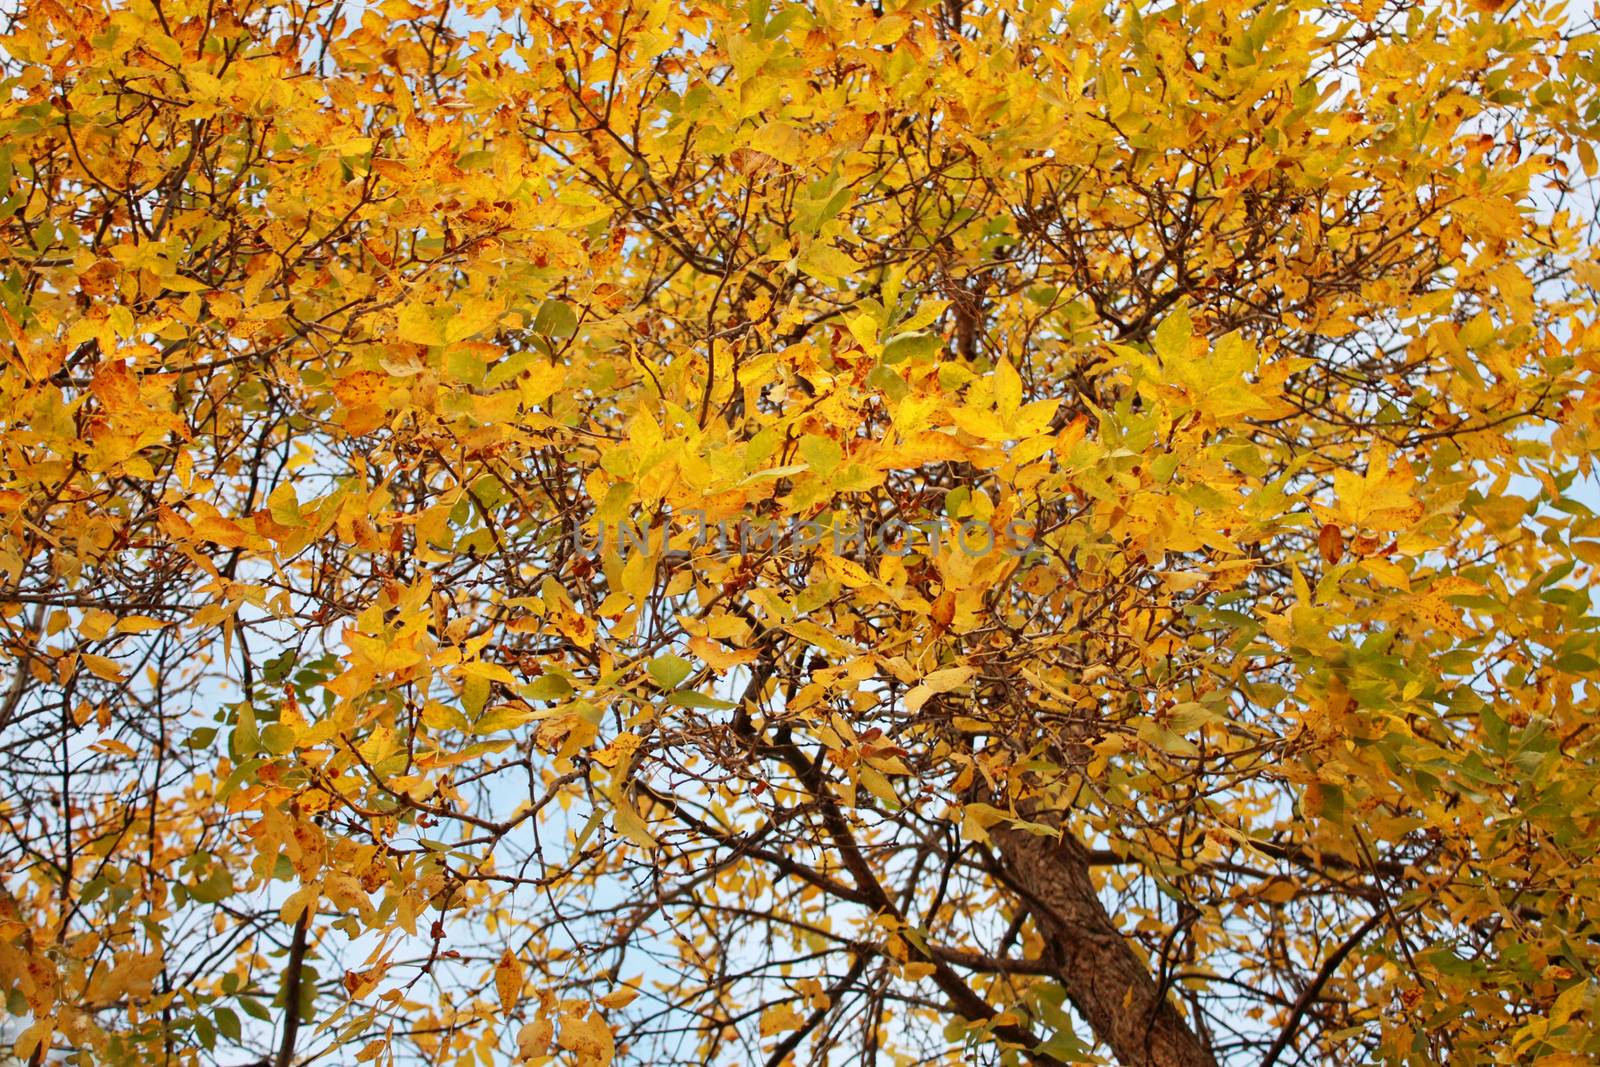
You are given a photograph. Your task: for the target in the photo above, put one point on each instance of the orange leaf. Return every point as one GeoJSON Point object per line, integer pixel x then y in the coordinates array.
{"type": "Point", "coordinates": [1330, 542]}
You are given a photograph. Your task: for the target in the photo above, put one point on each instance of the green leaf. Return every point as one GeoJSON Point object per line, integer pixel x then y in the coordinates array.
{"type": "Point", "coordinates": [669, 671]}
{"type": "Point", "coordinates": [502, 717]}
{"type": "Point", "coordinates": [1064, 1046]}
{"type": "Point", "coordinates": [278, 739]}
{"type": "Point", "coordinates": [242, 773]}
{"type": "Point", "coordinates": [217, 885]}
{"type": "Point", "coordinates": [255, 1009]}
{"type": "Point", "coordinates": [227, 1021]}
{"type": "Point", "coordinates": [913, 346]}
{"type": "Point", "coordinates": [284, 506]}
{"type": "Point", "coordinates": [245, 740]}
{"type": "Point", "coordinates": [822, 454]}
{"type": "Point", "coordinates": [546, 687]}
{"type": "Point", "coordinates": [700, 700]}
{"type": "Point", "coordinates": [556, 319]}
{"type": "Point", "coordinates": [893, 386]}
{"type": "Point", "coordinates": [510, 368]}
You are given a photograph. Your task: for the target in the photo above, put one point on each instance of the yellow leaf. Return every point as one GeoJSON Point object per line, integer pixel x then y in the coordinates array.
{"type": "Point", "coordinates": [980, 423]}
{"type": "Point", "coordinates": [719, 658]}
{"type": "Point", "coordinates": [889, 29]}
{"type": "Point", "coordinates": [618, 998]}
{"type": "Point", "coordinates": [780, 1018]}
{"type": "Point", "coordinates": [1382, 499]}
{"type": "Point", "coordinates": [95, 624]}
{"type": "Point", "coordinates": [878, 786]}
{"type": "Point", "coordinates": [631, 824]}
{"type": "Point", "coordinates": [1031, 420]}
{"type": "Point", "coordinates": [780, 141]}
{"type": "Point", "coordinates": [101, 667]}
{"type": "Point", "coordinates": [508, 981]}
{"type": "Point", "coordinates": [1180, 581]}
{"type": "Point", "coordinates": [360, 389]}
{"type": "Point", "coordinates": [1007, 390]}
{"type": "Point", "coordinates": [1278, 891]}
{"type": "Point", "coordinates": [1388, 572]}
{"type": "Point", "coordinates": [937, 682]}
{"type": "Point", "coordinates": [1569, 1002]}
{"type": "Point", "coordinates": [172, 524]}
{"type": "Point", "coordinates": [503, 717]}
{"type": "Point", "coordinates": [220, 531]}
{"type": "Point", "coordinates": [299, 902]}
{"type": "Point", "coordinates": [827, 264]}
{"type": "Point", "coordinates": [34, 1041]}
{"type": "Point", "coordinates": [443, 324]}
{"type": "Point", "coordinates": [534, 1038]}
{"type": "Point", "coordinates": [619, 751]}
{"type": "Point", "coordinates": [587, 1036]}
{"type": "Point", "coordinates": [977, 818]}
{"type": "Point", "coordinates": [846, 571]}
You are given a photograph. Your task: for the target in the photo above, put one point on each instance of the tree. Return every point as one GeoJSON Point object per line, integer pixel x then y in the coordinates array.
{"type": "Point", "coordinates": [655, 532]}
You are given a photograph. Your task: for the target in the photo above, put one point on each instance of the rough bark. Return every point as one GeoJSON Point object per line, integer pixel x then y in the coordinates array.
{"type": "Point", "coordinates": [1103, 977]}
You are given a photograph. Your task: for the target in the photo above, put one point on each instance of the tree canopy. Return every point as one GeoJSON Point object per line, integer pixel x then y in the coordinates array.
{"type": "Point", "coordinates": [659, 532]}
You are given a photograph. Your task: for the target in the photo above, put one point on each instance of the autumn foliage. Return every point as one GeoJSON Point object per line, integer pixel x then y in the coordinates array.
{"type": "Point", "coordinates": [1226, 375]}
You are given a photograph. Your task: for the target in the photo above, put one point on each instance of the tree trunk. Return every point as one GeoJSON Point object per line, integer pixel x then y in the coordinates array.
{"type": "Point", "coordinates": [1102, 975]}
